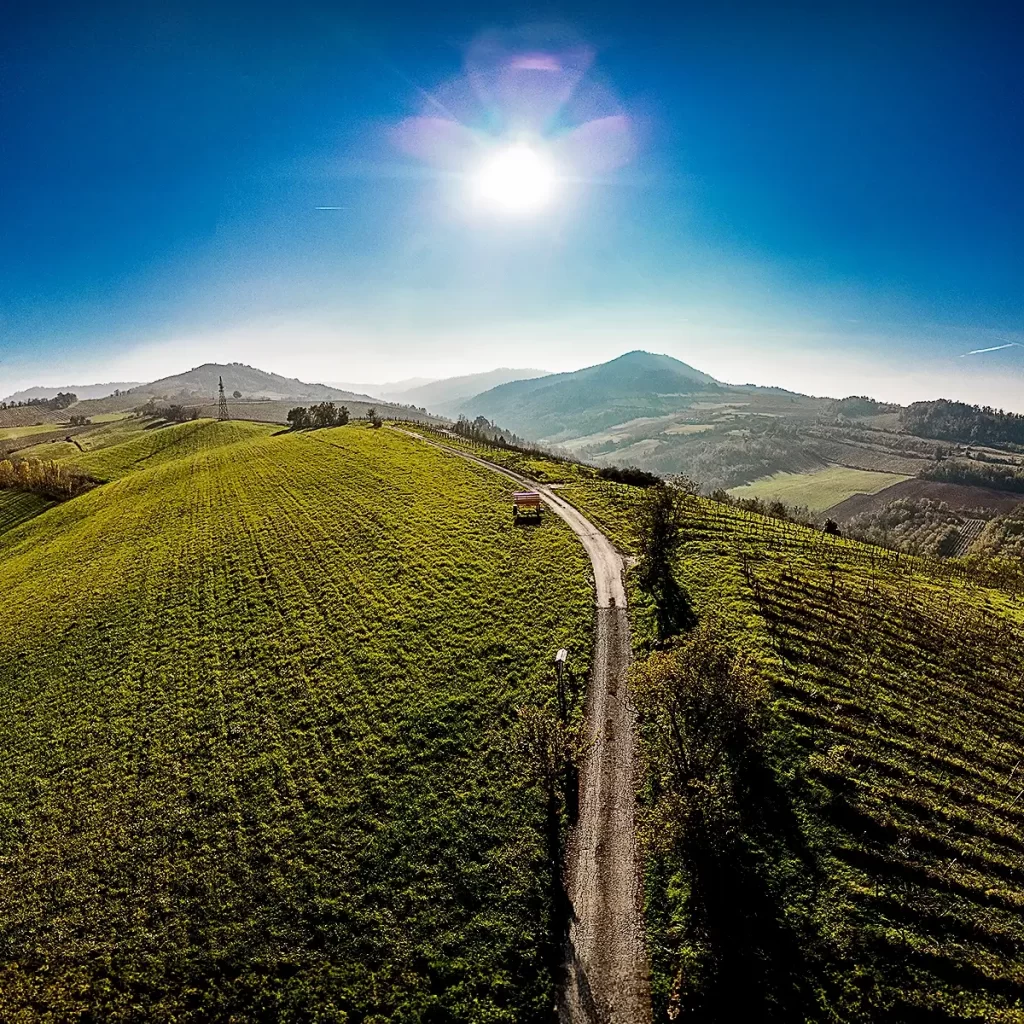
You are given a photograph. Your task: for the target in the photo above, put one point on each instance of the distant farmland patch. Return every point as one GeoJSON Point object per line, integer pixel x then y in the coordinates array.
{"type": "Point", "coordinates": [818, 489]}
{"type": "Point", "coordinates": [954, 495]}
{"type": "Point", "coordinates": [689, 428]}
{"type": "Point", "coordinates": [17, 433]}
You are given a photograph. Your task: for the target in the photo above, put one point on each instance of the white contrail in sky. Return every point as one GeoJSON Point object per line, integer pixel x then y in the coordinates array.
{"type": "Point", "coordinates": [332, 207]}
{"type": "Point", "coordinates": [994, 348]}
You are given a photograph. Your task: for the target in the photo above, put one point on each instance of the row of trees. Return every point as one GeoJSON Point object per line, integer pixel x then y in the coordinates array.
{"type": "Point", "coordinates": [49, 479]}
{"type": "Point", "coordinates": [62, 400]}
{"type": "Point", "coordinates": [323, 415]}
{"type": "Point", "coordinates": [978, 474]}
{"type": "Point", "coordinates": [483, 430]}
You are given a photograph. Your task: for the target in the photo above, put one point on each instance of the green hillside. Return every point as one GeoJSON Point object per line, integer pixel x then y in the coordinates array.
{"type": "Point", "coordinates": [832, 785]}
{"type": "Point", "coordinates": [259, 701]}
{"type": "Point", "coordinates": [249, 380]}
{"type": "Point", "coordinates": [833, 782]}
{"type": "Point", "coordinates": [566, 405]}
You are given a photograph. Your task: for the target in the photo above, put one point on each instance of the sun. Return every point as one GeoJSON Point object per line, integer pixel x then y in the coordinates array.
{"type": "Point", "coordinates": [517, 180]}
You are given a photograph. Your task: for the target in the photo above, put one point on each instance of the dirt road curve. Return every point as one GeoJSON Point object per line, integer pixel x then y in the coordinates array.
{"type": "Point", "coordinates": [606, 971]}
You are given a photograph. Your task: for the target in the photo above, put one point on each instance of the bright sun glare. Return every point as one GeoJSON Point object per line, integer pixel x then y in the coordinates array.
{"type": "Point", "coordinates": [515, 180]}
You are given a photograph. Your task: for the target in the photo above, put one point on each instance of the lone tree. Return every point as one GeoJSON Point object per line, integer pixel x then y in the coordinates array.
{"type": "Point", "coordinates": [660, 533]}
{"type": "Point", "coordinates": [236, 394]}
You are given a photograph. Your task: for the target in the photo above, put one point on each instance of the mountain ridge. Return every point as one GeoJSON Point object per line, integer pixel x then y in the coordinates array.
{"type": "Point", "coordinates": [83, 391]}
{"type": "Point", "coordinates": [563, 405]}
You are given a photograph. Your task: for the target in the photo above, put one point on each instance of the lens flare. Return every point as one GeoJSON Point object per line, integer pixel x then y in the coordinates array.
{"type": "Point", "coordinates": [516, 180]}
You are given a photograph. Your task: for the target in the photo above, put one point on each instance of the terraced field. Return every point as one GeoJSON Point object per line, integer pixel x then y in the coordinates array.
{"type": "Point", "coordinates": [872, 865]}
{"type": "Point", "coordinates": [18, 506]}
{"type": "Point", "coordinates": [258, 711]}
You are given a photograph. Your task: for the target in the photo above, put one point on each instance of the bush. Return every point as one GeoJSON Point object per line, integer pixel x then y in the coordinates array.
{"type": "Point", "coordinates": [629, 475]}
{"type": "Point", "coordinates": [177, 414]}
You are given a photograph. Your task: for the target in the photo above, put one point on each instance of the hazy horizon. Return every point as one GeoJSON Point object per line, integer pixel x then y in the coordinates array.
{"type": "Point", "coordinates": [842, 376]}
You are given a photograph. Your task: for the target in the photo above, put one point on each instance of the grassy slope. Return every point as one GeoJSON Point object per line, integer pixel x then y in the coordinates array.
{"type": "Point", "coordinates": [883, 877]}
{"type": "Point", "coordinates": [256, 716]}
{"type": "Point", "coordinates": [819, 489]}
{"type": "Point", "coordinates": [126, 446]}
{"type": "Point", "coordinates": [18, 506]}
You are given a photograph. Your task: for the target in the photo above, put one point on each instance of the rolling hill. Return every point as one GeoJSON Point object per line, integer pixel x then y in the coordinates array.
{"type": "Point", "coordinates": [261, 695]}
{"type": "Point", "coordinates": [260, 698]}
{"type": "Point", "coordinates": [202, 381]}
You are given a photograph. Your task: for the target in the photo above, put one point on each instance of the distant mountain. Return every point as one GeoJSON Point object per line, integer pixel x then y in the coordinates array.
{"type": "Point", "coordinates": [561, 406]}
{"type": "Point", "coordinates": [379, 390]}
{"type": "Point", "coordinates": [83, 391]}
{"type": "Point", "coordinates": [202, 381]}
{"type": "Point", "coordinates": [441, 395]}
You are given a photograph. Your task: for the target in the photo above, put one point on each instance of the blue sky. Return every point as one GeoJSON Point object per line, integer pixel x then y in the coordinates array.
{"type": "Point", "coordinates": [828, 200]}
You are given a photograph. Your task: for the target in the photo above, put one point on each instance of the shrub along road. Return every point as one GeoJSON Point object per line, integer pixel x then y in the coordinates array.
{"type": "Point", "coordinates": [606, 977]}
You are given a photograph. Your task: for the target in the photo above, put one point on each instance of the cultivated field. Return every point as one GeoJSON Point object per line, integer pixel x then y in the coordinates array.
{"type": "Point", "coordinates": [17, 433]}
{"type": "Point", "coordinates": [259, 721]}
{"type": "Point", "coordinates": [954, 495]}
{"type": "Point", "coordinates": [868, 830]}
{"type": "Point", "coordinates": [817, 490]}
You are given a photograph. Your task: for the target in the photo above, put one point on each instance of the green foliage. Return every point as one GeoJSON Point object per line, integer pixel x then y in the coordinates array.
{"type": "Point", "coordinates": [859, 406]}
{"type": "Point", "coordinates": [659, 530]}
{"type": "Point", "coordinates": [919, 526]}
{"type": "Point", "coordinates": [702, 715]}
{"type": "Point", "coordinates": [978, 474]}
{"type": "Point", "coordinates": [957, 421]}
{"type": "Point", "coordinates": [176, 413]}
{"type": "Point", "coordinates": [260, 699]}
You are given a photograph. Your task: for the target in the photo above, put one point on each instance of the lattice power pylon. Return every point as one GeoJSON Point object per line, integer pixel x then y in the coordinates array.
{"type": "Point", "coordinates": [222, 403]}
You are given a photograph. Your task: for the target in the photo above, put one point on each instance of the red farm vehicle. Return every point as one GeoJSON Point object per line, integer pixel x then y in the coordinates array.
{"type": "Point", "coordinates": [526, 504]}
